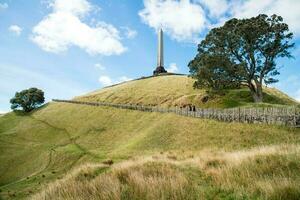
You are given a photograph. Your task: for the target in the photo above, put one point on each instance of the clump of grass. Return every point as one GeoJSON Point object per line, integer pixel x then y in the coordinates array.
{"type": "Point", "coordinates": [172, 157]}
{"type": "Point", "coordinates": [214, 163]}
{"type": "Point", "coordinates": [108, 162]}
{"type": "Point", "coordinates": [273, 175]}
{"type": "Point", "coordinates": [147, 181]}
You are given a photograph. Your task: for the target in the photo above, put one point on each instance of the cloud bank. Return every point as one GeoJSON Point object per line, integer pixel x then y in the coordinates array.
{"type": "Point", "coordinates": [182, 20]}
{"type": "Point", "coordinates": [64, 27]}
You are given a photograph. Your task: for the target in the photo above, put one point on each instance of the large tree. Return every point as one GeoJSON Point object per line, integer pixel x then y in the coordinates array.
{"type": "Point", "coordinates": [27, 99]}
{"type": "Point", "coordinates": [242, 52]}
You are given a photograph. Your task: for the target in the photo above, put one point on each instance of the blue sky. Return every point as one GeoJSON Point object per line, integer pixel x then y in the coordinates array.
{"type": "Point", "coordinates": [70, 47]}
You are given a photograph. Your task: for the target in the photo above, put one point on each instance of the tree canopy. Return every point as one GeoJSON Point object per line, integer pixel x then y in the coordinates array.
{"type": "Point", "coordinates": [242, 52]}
{"type": "Point", "coordinates": [27, 99]}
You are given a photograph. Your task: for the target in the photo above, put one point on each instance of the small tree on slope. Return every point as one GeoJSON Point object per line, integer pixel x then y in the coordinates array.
{"type": "Point", "coordinates": [27, 99]}
{"type": "Point", "coordinates": [243, 51]}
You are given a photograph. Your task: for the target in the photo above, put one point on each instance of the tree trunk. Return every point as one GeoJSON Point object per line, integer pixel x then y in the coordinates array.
{"type": "Point", "coordinates": [258, 98]}
{"type": "Point", "coordinates": [256, 91]}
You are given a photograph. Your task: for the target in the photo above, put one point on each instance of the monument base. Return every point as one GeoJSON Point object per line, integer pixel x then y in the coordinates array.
{"type": "Point", "coordinates": [159, 70]}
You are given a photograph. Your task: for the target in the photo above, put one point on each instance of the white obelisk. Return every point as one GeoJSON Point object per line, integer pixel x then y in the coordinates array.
{"type": "Point", "coordinates": [160, 55]}
{"type": "Point", "coordinates": [160, 51]}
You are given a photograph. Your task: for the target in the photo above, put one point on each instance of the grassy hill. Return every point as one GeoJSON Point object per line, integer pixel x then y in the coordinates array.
{"type": "Point", "coordinates": [177, 90]}
{"type": "Point", "coordinates": [58, 151]}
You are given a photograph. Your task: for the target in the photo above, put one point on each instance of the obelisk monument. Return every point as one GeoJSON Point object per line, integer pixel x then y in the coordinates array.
{"type": "Point", "coordinates": [160, 55]}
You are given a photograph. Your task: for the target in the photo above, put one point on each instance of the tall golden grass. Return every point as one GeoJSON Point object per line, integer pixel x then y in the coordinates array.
{"type": "Point", "coordinates": [271, 172]}
{"type": "Point", "coordinates": [177, 90]}
{"type": "Point", "coordinates": [145, 181]}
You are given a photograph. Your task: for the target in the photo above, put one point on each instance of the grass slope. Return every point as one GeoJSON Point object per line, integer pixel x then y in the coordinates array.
{"type": "Point", "coordinates": [260, 173]}
{"type": "Point", "coordinates": [177, 90]}
{"type": "Point", "coordinates": [41, 147]}
{"type": "Point", "coordinates": [47, 152]}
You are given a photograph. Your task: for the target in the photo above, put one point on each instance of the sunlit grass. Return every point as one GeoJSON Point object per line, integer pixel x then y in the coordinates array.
{"type": "Point", "coordinates": [259, 173]}
{"type": "Point", "coordinates": [48, 145]}
{"type": "Point", "coordinates": [177, 90]}
{"type": "Point", "coordinates": [43, 146]}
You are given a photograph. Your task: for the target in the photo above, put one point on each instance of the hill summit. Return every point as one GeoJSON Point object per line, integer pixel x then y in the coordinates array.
{"type": "Point", "coordinates": [177, 90]}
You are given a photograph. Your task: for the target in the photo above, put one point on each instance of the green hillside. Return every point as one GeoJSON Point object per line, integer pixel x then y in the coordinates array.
{"type": "Point", "coordinates": [57, 151]}
{"type": "Point", "coordinates": [177, 90]}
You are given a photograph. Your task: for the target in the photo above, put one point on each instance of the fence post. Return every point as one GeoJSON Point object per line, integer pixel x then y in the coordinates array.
{"type": "Point", "coordinates": [295, 119]}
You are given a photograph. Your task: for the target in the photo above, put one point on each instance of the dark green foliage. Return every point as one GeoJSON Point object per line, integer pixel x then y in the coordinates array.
{"type": "Point", "coordinates": [242, 52]}
{"type": "Point", "coordinates": [27, 99]}
{"type": "Point", "coordinates": [215, 72]}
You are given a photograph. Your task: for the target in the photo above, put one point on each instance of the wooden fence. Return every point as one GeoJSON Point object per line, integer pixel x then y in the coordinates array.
{"type": "Point", "coordinates": [288, 116]}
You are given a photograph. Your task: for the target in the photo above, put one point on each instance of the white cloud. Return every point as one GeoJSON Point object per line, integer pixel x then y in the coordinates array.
{"type": "Point", "coordinates": [124, 79]}
{"type": "Point", "coordinates": [216, 8]}
{"type": "Point", "coordinates": [64, 28]}
{"type": "Point", "coordinates": [288, 9]}
{"type": "Point", "coordinates": [172, 68]}
{"type": "Point", "coordinates": [222, 10]}
{"type": "Point", "coordinates": [3, 6]}
{"type": "Point", "coordinates": [129, 33]}
{"type": "Point", "coordinates": [76, 7]}
{"type": "Point", "coordinates": [17, 30]}
{"type": "Point", "coordinates": [182, 20]}
{"type": "Point", "coordinates": [99, 66]}
{"type": "Point", "coordinates": [106, 80]}
{"type": "Point", "coordinates": [187, 20]}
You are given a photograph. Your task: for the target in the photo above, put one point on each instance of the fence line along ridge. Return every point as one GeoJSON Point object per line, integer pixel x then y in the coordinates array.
{"type": "Point", "coordinates": [289, 116]}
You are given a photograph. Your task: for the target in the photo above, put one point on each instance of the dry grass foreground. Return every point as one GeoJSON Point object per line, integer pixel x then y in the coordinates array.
{"type": "Point", "coordinates": [271, 172]}
{"type": "Point", "coordinates": [42, 147]}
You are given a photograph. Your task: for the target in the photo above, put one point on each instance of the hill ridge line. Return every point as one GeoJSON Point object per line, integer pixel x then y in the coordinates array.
{"type": "Point", "coordinates": [147, 77]}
